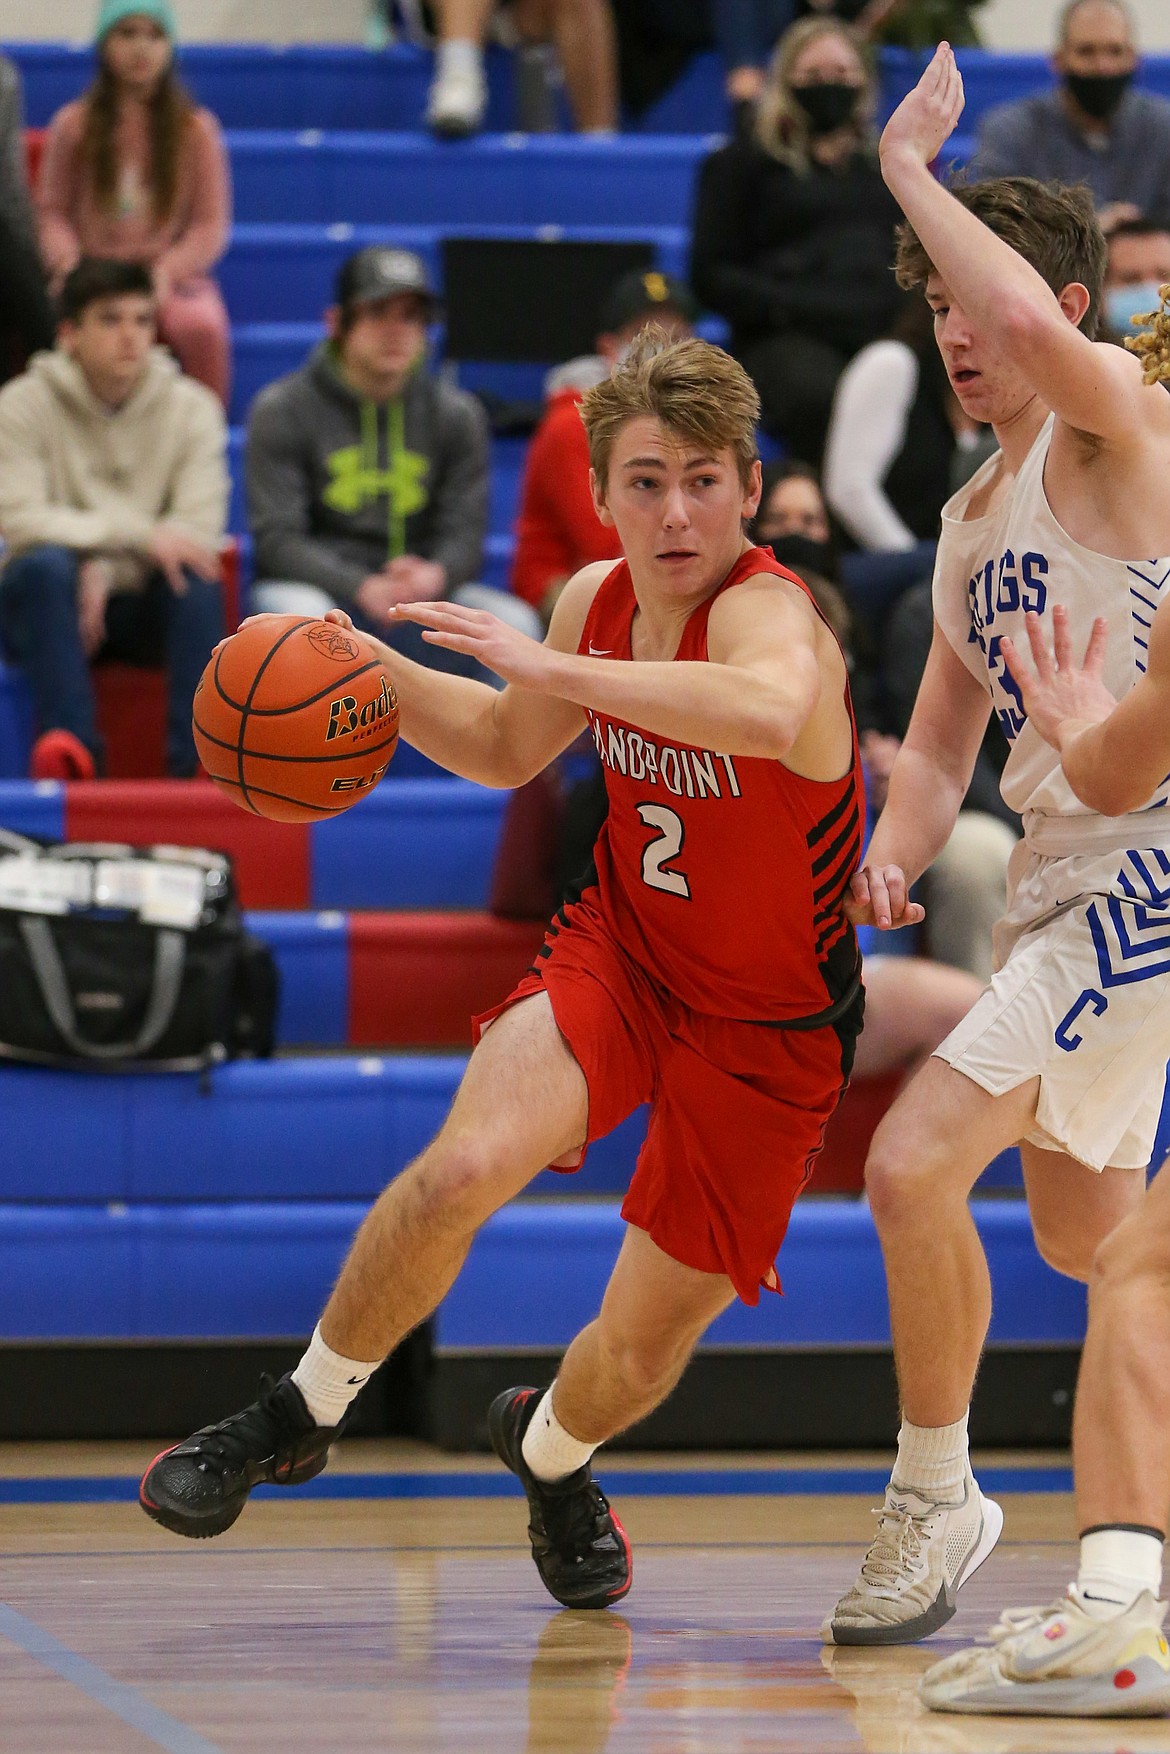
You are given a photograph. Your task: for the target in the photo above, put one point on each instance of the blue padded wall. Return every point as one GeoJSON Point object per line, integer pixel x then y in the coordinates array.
{"type": "Point", "coordinates": [312, 958]}
{"type": "Point", "coordinates": [419, 844]}
{"type": "Point", "coordinates": [537, 1270]}
{"type": "Point", "coordinates": [33, 807]}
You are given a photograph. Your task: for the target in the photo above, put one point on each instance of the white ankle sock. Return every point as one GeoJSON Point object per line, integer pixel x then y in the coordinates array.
{"type": "Point", "coordinates": [1117, 1564]}
{"type": "Point", "coordinates": [551, 1451]}
{"type": "Point", "coordinates": [328, 1381]}
{"type": "Point", "coordinates": [932, 1459]}
{"type": "Point", "coordinates": [459, 56]}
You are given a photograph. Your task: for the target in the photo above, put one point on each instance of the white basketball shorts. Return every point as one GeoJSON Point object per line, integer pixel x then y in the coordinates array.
{"type": "Point", "coordinates": [1081, 1000]}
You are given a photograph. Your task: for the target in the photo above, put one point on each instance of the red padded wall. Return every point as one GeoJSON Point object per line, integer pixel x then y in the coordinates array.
{"type": "Point", "coordinates": [271, 858]}
{"type": "Point", "coordinates": [416, 979]}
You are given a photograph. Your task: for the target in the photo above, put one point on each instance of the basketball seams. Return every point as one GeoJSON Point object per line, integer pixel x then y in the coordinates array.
{"type": "Point", "coordinates": [338, 757]}
{"type": "Point", "coordinates": [287, 660]}
{"type": "Point", "coordinates": [245, 709]}
{"type": "Point", "coordinates": [296, 706]}
{"type": "Point", "coordinates": [322, 810]}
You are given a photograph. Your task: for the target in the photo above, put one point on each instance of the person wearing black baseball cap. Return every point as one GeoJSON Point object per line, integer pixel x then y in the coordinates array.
{"type": "Point", "coordinates": [557, 528]}
{"type": "Point", "coordinates": [367, 476]}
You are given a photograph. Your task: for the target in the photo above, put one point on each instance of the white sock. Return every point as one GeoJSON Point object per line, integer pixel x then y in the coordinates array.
{"type": "Point", "coordinates": [932, 1459]}
{"type": "Point", "coordinates": [1117, 1564]}
{"type": "Point", "coordinates": [551, 1451]}
{"type": "Point", "coordinates": [328, 1381]}
{"type": "Point", "coordinates": [459, 56]}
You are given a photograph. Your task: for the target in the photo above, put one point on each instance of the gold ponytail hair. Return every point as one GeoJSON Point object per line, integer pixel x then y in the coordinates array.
{"type": "Point", "coordinates": [1152, 346]}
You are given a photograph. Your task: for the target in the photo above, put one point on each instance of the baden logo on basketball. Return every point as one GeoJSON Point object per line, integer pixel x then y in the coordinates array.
{"type": "Point", "coordinates": [331, 642]}
{"type": "Point", "coordinates": [346, 718]}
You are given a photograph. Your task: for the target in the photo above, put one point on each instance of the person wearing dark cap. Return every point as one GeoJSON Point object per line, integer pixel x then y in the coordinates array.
{"type": "Point", "coordinates": [557, 529]}
{"type": "Point", "coordinates": [367, 477]}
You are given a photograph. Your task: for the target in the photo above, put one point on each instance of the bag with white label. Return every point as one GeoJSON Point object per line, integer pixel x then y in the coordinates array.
{"type": "Point", "coordinates": [127, 958]}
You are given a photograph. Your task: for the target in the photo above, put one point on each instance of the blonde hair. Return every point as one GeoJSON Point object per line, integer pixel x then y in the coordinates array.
{"type": "Point", "coordinates": [699, 393]}
{"type": "Point", "coordinates": [1152, 346]}
{"type": "Point", "coordinates": [781, 125]}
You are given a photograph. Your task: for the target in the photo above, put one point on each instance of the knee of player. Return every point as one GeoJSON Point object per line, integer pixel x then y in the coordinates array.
{"type": "Point", "coordinates": [1131, 1264]}
{"type": "Point", "coordinates": [458, 1179]}
{"type": "Point", "coordinates": [903, 1178]}
{"type": "Point", "coordinates": [1066, 1251]}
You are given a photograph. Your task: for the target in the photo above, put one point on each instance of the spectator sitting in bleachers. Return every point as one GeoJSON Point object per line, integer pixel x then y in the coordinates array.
{"type": "Point", "coordinates": [26, 316]}
{"type": "Point", "coordinates": [1093, 127]}
{"type": "Point", "coordinates": [895, 435]}
{"type": "Point", "coordinates": [135, 171]}
{"type": "Point", "coordinates": [557, 529]}
{"type": "Point", "coordinates": [113, 500]}
{"type": "Point", "coordinates": [794, 232]}
{"type": "Point", "coordinates": [581, 31]}
{"type": "Point", "coordinates": [1138, 265]}
{"type": "Point", "coordinates": [367, 476]}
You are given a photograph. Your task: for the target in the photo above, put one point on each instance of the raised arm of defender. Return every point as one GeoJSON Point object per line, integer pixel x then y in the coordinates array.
{"type": "Point", "coordinates": [1093, 388]}
{"type": "Point", "coordinates": [1115, 754]}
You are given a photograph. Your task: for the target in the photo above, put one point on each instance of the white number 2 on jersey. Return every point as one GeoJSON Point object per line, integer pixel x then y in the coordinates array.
{"type": "Point", "coordinates": [667, 846]}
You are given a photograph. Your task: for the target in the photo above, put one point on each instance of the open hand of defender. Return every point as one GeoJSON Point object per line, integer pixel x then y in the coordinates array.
{"type": "Point", "coordinates": [927, 115]}
{"type": "Point", "coordinates": [505, 650]}
{"type": "Point", "coordinates": [879, 896]}
{"type": "Point", "coordinates": [1060, 693]}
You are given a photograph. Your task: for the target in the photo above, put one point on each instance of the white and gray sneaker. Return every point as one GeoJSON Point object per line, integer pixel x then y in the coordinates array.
{"type": "Point", "coordinates": [457, 100]}
{"type": "Point", "coordinates": [1061, 1662]}
{"type": "Point", "coordinates": [923, 1550]}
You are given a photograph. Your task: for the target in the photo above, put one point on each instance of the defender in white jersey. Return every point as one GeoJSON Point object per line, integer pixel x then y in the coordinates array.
{"type": "Point", "coordinates": [1065, 1052]}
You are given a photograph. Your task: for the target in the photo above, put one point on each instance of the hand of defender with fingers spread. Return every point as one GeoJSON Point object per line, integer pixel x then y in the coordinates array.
{"type": "Point", "coordinates": [1061, 697]}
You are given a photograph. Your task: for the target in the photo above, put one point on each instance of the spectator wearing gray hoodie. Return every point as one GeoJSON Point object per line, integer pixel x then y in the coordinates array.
{"type": "Point", "coordinates": [113, 496]}
{"type": "Point", "coordinates": [367, 477]}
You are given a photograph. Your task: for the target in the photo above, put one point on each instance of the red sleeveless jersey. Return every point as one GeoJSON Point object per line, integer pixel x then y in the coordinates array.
{"type": "Point", "coordinates": [724, 877]}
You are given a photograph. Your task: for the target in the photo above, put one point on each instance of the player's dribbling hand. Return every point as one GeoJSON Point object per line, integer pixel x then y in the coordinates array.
{"type": "Point", "coordinates": [511, 654]}
{"type": "Point", "coordinates": [927, 115]}
{"type": "Point", "coordinates": [880, 896]}
{"type": "Point", "coordinates": [1059, 691]}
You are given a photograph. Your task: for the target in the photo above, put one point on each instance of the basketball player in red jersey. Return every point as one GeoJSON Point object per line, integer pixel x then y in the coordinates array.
{"type": "Point", "coordinates": [707, 968]}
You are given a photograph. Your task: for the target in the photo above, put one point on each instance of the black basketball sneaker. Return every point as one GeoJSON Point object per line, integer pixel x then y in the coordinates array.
{"type": "Point", "coordinates": [581, 1550]}
{"type": "Point", "coordinates": [200, 1487]}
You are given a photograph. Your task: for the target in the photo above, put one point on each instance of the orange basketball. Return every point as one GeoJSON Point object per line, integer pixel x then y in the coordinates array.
{"type": "Point", "coordinates": [295, 720]}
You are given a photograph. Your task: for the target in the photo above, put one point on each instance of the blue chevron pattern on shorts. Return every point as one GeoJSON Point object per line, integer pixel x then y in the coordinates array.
{"type": "Point", "coordinates": [1145, 600]}
{"type": "Point", "coordinates": [1132, 936]}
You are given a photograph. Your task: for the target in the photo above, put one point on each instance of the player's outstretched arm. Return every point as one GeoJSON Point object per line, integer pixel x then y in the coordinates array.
{"type": "Point", "coordinates": [1093, 387]}
{"type": "Point", "coordinates": [754, 696]}
{"type": "Point", "coordinates": [1115, 754]}
{"type": "Point", "coordinates": [476, 731]}
{"type": "Point", "coordinates": [927, 786]}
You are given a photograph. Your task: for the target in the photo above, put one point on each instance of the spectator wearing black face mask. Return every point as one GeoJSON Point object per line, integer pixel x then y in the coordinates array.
{"type": "Point", "coordinates": [794, 230]}
{"type": "Point", "coordinates": [1094, 127]}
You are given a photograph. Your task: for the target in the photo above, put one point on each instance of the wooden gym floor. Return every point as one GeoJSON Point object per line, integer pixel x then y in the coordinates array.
{"type": "Point", "coordinates": [395, 1608]}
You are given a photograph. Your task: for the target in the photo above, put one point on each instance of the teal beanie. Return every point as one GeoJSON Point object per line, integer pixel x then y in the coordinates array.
{"type": "Point", "coordinates": [112, 12]}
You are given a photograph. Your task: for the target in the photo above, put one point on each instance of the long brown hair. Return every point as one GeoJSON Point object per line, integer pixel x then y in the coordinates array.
{"type": "Point", "coordinates": [170, 113]}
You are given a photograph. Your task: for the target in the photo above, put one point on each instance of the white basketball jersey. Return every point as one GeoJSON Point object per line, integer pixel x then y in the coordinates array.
{"type": "Point", "coordinates": [989, 573]}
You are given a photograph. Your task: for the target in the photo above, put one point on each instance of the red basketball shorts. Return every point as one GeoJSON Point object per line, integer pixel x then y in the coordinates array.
{"type": "Point", "coordinates": [737, 1110]}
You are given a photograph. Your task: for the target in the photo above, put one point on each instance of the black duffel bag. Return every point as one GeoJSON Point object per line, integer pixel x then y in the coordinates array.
{"type": "Point", "coordinates": [127, 958]}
